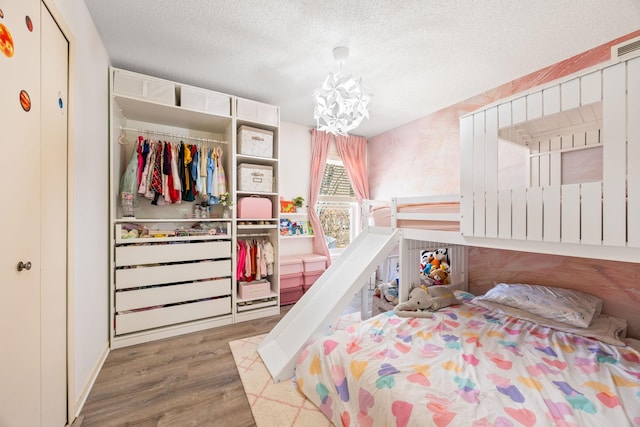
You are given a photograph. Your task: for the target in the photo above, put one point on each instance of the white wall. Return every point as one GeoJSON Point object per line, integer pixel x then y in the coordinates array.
{"type": "Point", "coordinates": [88, 131]}
{"type": "Point", "coordinates": [294, 165]}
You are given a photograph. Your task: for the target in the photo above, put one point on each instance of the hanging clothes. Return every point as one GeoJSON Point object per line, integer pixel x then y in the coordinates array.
{"type": "Point", "coordinates": [221, 177]}
{"type": "Point", "coordinates": [269, 256]}
{"type": "Point", "coordinates": [211, 167]}
{"type": "Point", "coordinates": [167, 182]}
{"type": "Point", "coordinates": [187, 183]}
{"type": "Point", "coordinates": [156, 177]}
{"type": "Point", "coordinates": [176, 189]}
{"type": "Point", "coordinates": [195, 170]}
{"type": "Point", "coordinates": [142, 187]}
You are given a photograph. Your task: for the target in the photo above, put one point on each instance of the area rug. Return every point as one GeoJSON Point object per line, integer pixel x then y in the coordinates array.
{"type": "Point", "coordinates": [276, 404]}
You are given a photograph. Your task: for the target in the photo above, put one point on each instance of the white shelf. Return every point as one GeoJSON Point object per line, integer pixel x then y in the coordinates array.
{"type": "Point", "coordinates": [242, 158]}
{"type": "Point", "coordinates": [271, 295]}
{"type": "Point", "coordinates": [301, 236]}
{"type": "Point", "coordinates": [121, 241]}
{"type": "Point", "coordinates": [255, 193]}
{"type": "Point", "coordinates": [151, 220]}
{"type": "Point", "coordinates": [293, 214]}
{"type": "Point", "coordinates": [171, 115]}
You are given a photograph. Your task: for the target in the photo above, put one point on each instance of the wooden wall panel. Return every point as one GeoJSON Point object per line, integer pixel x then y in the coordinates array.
{"type": "Point", "coordinates": [591, 88]}
{"type": "Point", "coordinates": [504, 214]}
{"type": "Point", "coordinates": [551, 100]}
{"type": "Point", "coordinates": [478, 174]}
{"type": "Point", "coordinates": [552, 212]}
{"type": "Point", "coordinates": [615, 282]}
{"type": "Point", "coordinates": [570, 95]}
{"type": "Point", "coordinates": [504, 115]}
{"type": "Point", "coordinates": [534, 214]}
{"type": "Point", "coordinates": [633, 152]}
{"type": "Point", "coordinates": [519, 213]}
{"type": "Point", "coordinates": [555, 161]}
{"type": "Point", "coordinates": [519, 110]}
{"type": "Point", "coordinates": [491, 172]}
{"type": "Point", "coordinates": [614, 156]}
{"type": "Point", "coordinates": [466, 175]}
{"type": "Point", "coordinates": [570, 231]}
{"type": "Point", "coordinates": [534, 106]}
{"type": "Point", "coordinates": [591, 213]}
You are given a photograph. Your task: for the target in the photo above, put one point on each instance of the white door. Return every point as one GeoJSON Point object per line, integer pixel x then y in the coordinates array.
{"type": "Point", "coordinates": [53, 221]}
{"type": "Point", "coordinates": [34, 295]}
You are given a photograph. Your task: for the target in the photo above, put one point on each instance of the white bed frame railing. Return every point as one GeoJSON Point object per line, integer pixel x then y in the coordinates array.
{"type": "Point", "coordinates": [599, 108]}
{"type": "Point", "coordinates": [414, 241]}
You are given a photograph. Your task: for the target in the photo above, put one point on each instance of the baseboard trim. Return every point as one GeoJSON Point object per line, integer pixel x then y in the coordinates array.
{"type": "Point", "coordinates": [82, 398]}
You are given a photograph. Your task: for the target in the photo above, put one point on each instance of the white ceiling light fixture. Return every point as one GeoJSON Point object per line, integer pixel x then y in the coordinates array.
{"type": "Point", "coordinates": [340, 103]}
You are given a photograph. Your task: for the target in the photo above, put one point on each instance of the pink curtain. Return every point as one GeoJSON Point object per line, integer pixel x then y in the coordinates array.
{"type": "Point", "coordinates": [353, 152]}
{"type": "Point", "coordinates": [320, 145]}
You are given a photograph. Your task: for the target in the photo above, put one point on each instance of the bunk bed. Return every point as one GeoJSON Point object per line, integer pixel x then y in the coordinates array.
{"type": "Point", "coordinates": [475, 362]}
{"type": "Point", "coordinates": [480, 362]}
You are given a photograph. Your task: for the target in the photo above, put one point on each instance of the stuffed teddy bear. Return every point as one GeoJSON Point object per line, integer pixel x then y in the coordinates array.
{"type": "Point", "coordinates": [418, 305]}
{"type": "Point", "coordinates": [439, 276]}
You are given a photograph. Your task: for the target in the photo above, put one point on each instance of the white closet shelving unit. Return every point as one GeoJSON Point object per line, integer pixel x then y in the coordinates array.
{"type": "Point", "coordinates": [263, 117]}
{"type": "Point", "coordinates": [165, 285]}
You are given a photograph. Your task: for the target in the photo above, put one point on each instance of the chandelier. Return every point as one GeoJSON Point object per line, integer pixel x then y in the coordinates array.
{"type": "Point", "coordinates": [340, 103]}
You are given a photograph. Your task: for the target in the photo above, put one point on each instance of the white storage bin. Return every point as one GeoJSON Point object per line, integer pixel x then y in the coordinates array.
{"type": "Point", "coordinates": [257, 112]}
{"type": "Point", "coordinates": [258, 178]}
{"type": "Point", "coordinates": [255, 142]}
{"type": "Point", "coordinates": [144, 87]}
{"type": "Point", "coordinates": [205, 100]}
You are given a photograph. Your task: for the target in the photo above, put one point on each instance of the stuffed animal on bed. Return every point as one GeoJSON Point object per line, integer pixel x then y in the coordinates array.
{"type": "Point", "coordinates": [439, 276]}
{"type": "Point", "coordinates": [418, 305]}
{"type": "Point", "coordinates": [434, 259]}
{"type": "Point", "coordinates": [423, 301]}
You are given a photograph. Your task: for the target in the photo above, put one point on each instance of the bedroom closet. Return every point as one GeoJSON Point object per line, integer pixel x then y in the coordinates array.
{"type": "Point", "coordinates": [175, 191]}
{"type": "Point", "coordinates": [33, 296]}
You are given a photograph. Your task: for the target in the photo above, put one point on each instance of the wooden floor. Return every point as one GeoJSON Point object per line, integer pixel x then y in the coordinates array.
{"type": "Point", "coordinates": [190, 380]}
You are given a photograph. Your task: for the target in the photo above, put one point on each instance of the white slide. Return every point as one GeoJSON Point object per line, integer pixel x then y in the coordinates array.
{"type": "Point", "coordinates": [325, 300]}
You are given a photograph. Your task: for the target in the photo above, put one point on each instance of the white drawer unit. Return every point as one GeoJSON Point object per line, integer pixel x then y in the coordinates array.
{"type": "Point", "coordinates": [170, 252]}
{"type": "Point", "coordinates": [135, 321]}
{"type": "Point", "coordinates": [148, 275]}
{"type": "Point", "coordinates": [143, 87]}
{"type": "Point", "coordinates": [171, 294]}
{"type": "Point", "coordinates": [158, 285]}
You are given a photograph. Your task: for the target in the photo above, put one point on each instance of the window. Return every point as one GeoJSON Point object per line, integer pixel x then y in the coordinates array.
{"type": "Point", "coordinates": [337, 206]}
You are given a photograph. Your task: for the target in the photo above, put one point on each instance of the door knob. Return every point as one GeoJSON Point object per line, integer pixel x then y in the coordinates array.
{"type": "Point", "coordinates": [24, 266]}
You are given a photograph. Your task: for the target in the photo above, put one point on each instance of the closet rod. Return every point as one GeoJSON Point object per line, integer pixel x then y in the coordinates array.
{"type": "Point", "coordinates": [173, 135]}
{"type": "Point", "coordinates": [242, 235]}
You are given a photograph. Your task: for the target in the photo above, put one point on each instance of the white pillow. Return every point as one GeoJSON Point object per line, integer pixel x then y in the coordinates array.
{"type": "Point", "coordinates": [557, 304]}
{"type": "Point", "coordinates": [608, 329]}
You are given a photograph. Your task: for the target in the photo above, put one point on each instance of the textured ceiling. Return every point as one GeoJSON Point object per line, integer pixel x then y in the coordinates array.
{"type": "Point", "coordinates": [414, 56]}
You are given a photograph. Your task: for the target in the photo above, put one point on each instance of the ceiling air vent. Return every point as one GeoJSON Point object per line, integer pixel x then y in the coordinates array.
{"type": "Point", "coordinates": [625, 50]}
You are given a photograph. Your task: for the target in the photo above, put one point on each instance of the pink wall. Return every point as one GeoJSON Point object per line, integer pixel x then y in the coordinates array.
{"type": "Point", "coordinates": [423, 156]}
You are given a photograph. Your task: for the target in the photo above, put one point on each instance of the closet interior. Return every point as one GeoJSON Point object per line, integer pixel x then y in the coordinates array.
{"type": "Point", "coordinates": [174, 194]}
